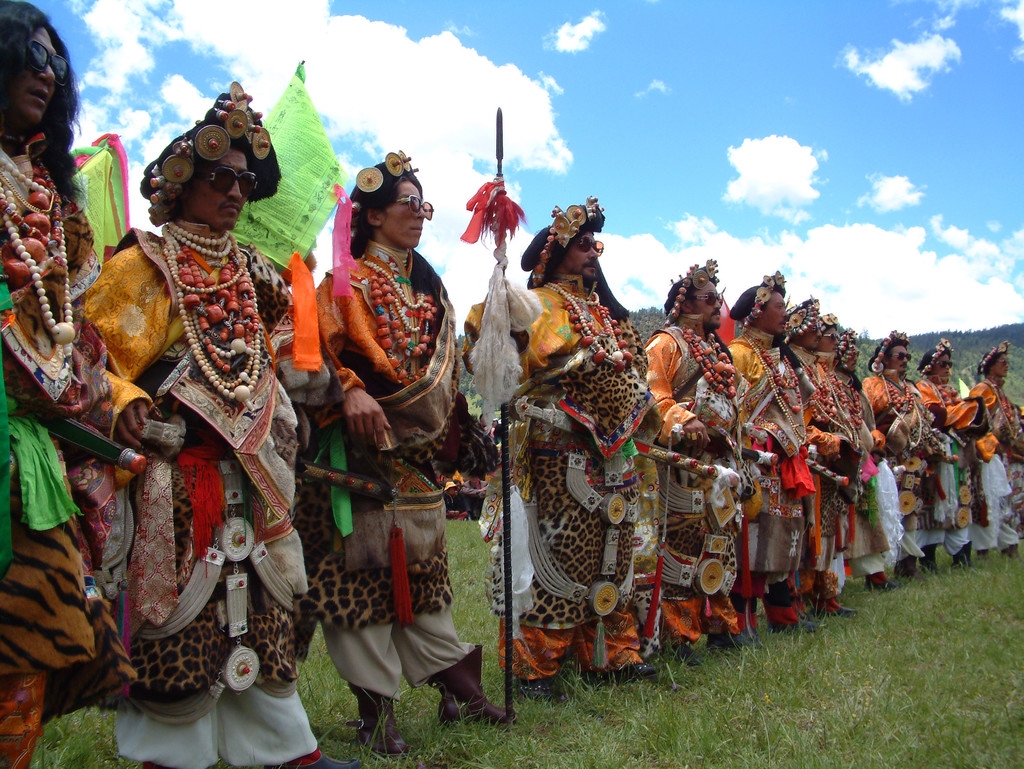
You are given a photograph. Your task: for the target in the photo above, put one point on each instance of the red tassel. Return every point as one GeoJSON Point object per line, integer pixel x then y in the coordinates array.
{"type": "Point", "coordinates": [493, 211]}
{"type": "Point", "coordinates": [938, 488]}
{"type": "Point", "coordinates": [652, 612]}
{"type": "Point", "coordinates": [400, 577]}
{"type": "Point", "coordinates": [206, 490]}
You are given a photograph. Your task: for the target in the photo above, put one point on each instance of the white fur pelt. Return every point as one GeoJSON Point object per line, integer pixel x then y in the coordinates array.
{"type": "Point", "coordinates": [495, 357]}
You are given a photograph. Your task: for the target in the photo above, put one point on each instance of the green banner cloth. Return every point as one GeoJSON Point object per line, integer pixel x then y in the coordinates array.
{"type": "Point", "coordinates": [290, 221]}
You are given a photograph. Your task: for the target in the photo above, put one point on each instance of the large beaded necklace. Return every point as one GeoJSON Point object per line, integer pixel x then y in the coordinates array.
{"type": "Point", "coordinates": [781, 383]}
{"type": "Point", "coordinates": [582, 314]}
{"type": "Point", "coordinates": [406, 319]}
{"type": "Point", "coordinates": [713, 360]}
{"type": "Point", "coordinates": [220, 316]}
{"type": "Point", "coordinates": [1009, 412]}
{"type": "Point", "coordinates": [839, 404]}
{"type": "Point", "coordinates": [36, 242]}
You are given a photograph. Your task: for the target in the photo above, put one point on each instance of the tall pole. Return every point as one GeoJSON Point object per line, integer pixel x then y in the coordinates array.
{"type": "Point", "coordinates": [506, 490]}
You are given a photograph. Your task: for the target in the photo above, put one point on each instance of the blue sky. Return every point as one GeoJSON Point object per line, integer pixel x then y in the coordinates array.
{"type": "Point", "coordinates": [869, 150]}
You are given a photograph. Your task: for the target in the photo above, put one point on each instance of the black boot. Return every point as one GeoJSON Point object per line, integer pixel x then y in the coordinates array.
{"type": "Point", "coordinates": [462, 696]}
{"type": "Point", "coordinates": [928, 562]}
{"type": "Point", "coordinates": [376, 728]}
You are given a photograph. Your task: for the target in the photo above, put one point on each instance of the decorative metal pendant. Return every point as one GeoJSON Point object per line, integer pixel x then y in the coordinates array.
{"type": "Point", "coordinates": [237, 539]}
{"type": "Point", "coordinates": [241, 669]}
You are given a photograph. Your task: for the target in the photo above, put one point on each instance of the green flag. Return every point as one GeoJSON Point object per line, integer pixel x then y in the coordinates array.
{"type": "Point", "coordinates": [291, 220]}
{"type": "Point", "coordinates": [103, 168]}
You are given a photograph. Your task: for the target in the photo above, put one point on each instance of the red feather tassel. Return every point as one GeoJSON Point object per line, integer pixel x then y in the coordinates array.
{"type": "Point", "coordinates": [493, 211]}
{"type": "Point", "coordinates": [400, 577]}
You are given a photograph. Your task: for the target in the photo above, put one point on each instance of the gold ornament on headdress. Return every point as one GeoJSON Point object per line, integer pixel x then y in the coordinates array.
{"type": "Point", "coordinates": [698, 277]}
{"type": "Point", "coordinates": [802, 317]}
{"type": "Point", "coordinates": [369, 179]}
{"type": "Point", "coordinates": [564, 227]}
{"type": "Point", "coordinates": [768, 285]}
{"type": "Point", "coordinates": [372, 179]}
{"type": "Point", "coordinates": [1002, 348]}
{"type": "Point", "coordinates": [211, 143]}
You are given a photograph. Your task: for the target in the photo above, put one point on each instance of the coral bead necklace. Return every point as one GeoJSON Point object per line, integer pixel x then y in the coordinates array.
{"type": "Point", "coordinates": [714, 361]}
{"type": "Point", "coordinates": [406, 319]}
{"type": "Point", "coordinates": [36, 242]}
{"type": "Point", "coordinates": [585, 314]}
{"type": "Point", "coordinates": [220, 315]}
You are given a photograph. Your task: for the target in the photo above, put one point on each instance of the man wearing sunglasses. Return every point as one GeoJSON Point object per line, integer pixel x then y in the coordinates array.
{"type": "Point", "coordinates": [903, 427]}
{"type": "Point", "coordinates": [947, 511]}
{"type": "Point", "coordinates": [583, 396]}
{"type": "Point", "coordinates": [695, 385]}
{"type": "Point", "coordinates": [216, 564]}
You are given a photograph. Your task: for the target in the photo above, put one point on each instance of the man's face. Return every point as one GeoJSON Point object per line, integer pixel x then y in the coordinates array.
{"type": "Point", "coordinates": [202, 203]}
{"type": "Point", "coordinates": [397, 226]}
{"type": "Point", "coordinates": [772, 319]}
{"type": "Point", "coordinates": [897, 360]}
{"type": "Point", "coordinates": [581, 257]}
{"type": "Point", "coordinates": [708, 304]}
{"type": "Point", "coordinates": [941, 366]}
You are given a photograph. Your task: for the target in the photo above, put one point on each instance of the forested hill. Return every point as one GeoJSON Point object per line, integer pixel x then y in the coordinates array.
{"type": "Point", "coordinates": [968, 349]}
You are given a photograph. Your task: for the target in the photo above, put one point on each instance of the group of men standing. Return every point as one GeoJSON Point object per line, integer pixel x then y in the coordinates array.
{"type": "Point", "coordinates": [293, 439]}
{"type": "Point", "coordinates": [664, 490]}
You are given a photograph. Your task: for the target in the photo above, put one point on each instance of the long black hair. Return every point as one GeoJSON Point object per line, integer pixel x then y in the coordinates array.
{"type": "Point", "coordinates": [18, 22]}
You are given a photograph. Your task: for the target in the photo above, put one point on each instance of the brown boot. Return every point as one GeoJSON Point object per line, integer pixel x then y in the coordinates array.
{"type": "Point", "coordinates": [907, 568]}
{"type": "Point", "coordinates": [462, 696]}
{"type": "Point", "coordinates": [376, 728]}
{"type": "Point", "coordinates": [1010, 552]}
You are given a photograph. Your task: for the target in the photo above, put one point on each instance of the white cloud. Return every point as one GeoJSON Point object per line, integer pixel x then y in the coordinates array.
{"type": "Point", "coordinates": [907, 68]}
{"type": "Point", "coordinates": [550, 84]}
{"type": "Point", "coordinates": [573, 38]}
{"type": "Point", "coordinates": [897, 282]}
{"type": "Point", "coordinates": [891, 193]}
{"type": "Point", "coordinates": [1013, 12]}
{"type": "Point", "coordinates": [988, 257]}
{"type": "Point", "coordinates": [776, 175]}
{"type": "Point", "coordinates": [655, 85]}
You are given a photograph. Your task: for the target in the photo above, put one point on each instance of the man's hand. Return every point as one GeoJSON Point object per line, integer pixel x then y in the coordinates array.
{"type": "Point", "coordinates": [128, 429]}
{"type": "Point", "coordinates": [364, 418]}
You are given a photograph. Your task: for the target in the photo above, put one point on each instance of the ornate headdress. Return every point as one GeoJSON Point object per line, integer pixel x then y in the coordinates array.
{"type": "Point", "coordinates": [751, 302]}
{"type": "Point", "coordinates": [942, 348]}
{"type": "Point", "coordinates": [231, 123]}
{"type": "Point", "coordinates": [803, 317]}
{"type": "Point", "coordinates": [895, 339]}
{"type": "Point", "coordinates": [371, 180]}
{"type": "Point", "coordinates": [847, 351]}
{"type": "Point", "coordinates": [564, 227]}
{"type": "Point", "coordinates": [698, 277]}
{"type": "Point", "coordinates": [828, 320]}
{"type": "Point", "coordinates": [1003, 348]}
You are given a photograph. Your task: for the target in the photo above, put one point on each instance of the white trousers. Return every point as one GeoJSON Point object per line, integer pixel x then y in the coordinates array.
{"type": "Point", "coordinates": [376, 657]}
{"type": "Point", "coordinates": [249, 728]}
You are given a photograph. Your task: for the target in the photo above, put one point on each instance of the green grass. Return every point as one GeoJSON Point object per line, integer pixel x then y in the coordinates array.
{"type": "Point", "coordinates": [928, 676]}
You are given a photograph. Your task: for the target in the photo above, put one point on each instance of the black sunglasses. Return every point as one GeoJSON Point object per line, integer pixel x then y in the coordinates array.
{"type": "Point", "coordinates": [586, 243]}
{"type": "Point", "coordinates": [39, 58]}
{"type": "Point", "coordinates": [223, 178]}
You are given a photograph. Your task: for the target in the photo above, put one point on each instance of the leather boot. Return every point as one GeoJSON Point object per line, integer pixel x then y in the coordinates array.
{"type": "Point", "coordinates": [1010, 551]}
{"type": "Point", "coordinates": [962, 558]}
{"type": "Point", "coordinates": [928, 562]}
{"type": "Point", "coordinates": [376, 728]}
{"type": "Point", "coordinates": [462, 695]}
{"type": "Point", "coordinates": [907, 568]}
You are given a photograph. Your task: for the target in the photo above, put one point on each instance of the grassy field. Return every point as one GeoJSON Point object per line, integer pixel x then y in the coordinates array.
{"type": "Point", "coordinates": [928, 676]}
